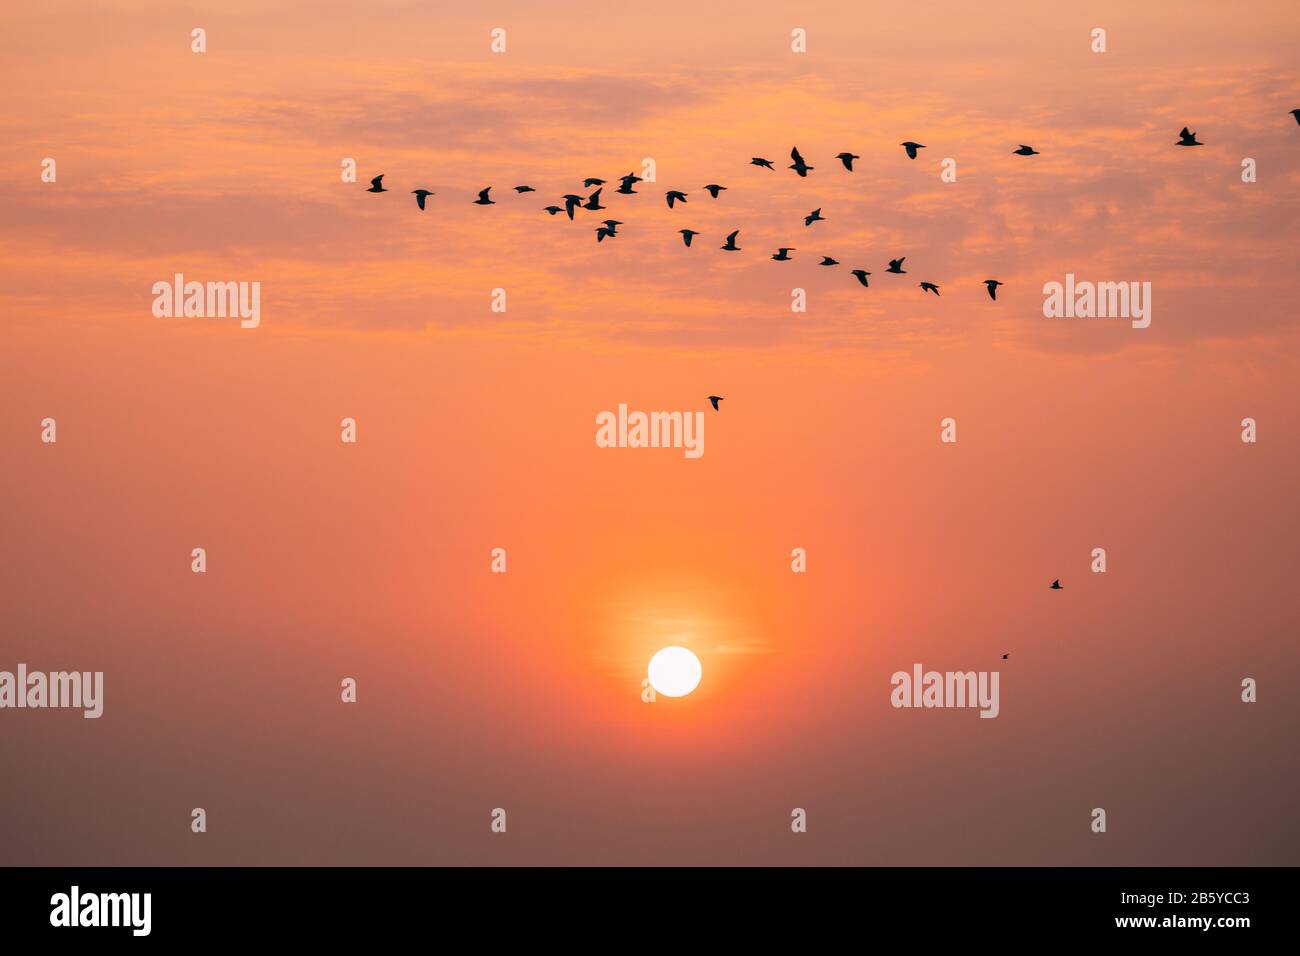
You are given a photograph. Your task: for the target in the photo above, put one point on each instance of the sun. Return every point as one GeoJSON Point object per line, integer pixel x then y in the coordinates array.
{"type": "Point", "coordinates": [675, 672]}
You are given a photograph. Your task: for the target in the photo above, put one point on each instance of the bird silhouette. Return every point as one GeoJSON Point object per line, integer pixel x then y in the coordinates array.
{"type": "Point", "coordinates": [420, 195]}
{"type": "Point", "coordinates": [929, 287]}
{"type": "Point", "coordinates": [847, 159]}
{"type": "Point", "coordinates": [713, 400]}
{"type": "Point", "coordinates": [571, 202]}
{"type": "Point", "coordinates": [799, 166]}
{"type": "Point", "coordinates": [553, 209]}
{"type": "Point", "coordinates": [483, 198]}
{"type": "Point", "coordinates": [1006, 656]}
{"type": "Point", "coordinates": [896, 266]}
{"type": "Point", "coordinates": [1056, 585]}
{"type": "Point", "coordinates": [828, 261]}
{"type": "Point", "coordinates": [911, 148]}
{"type": "Point", "coordinates": [731, 242]}
{"type": "Point", "coordinates": [377, 185]}
{"type": "Point", "coordinates": [814, 216]}
{"type": "Point", "coordinates": [688, 235]}
{"type": "Point", "coordinates": [603, 231]}
{"type": "Point", "coordinates": [760, 161]}
{"type": "Point", "coordinates": [1025, 151]}
{"type": "Point", "coordinates": [593, 201]}
{"type": "Point", "coordinates": [1187, 139]}
{"type": "Point", "coordinates": [782, 254]}
{"type": "Point", "coordinates": [592, 181]}
{"type": "Point", "coordinates": [612, 225]}
{"type": "Point", "coordinates": [626, 184]}
{"type": "Point", "coordinates": [862, 276]}
{"type": "Point", "coordinates": [714, 189]}
{"type": "Point", "coordinates": [992, 285]}
{"type": "Point", "coordinates": [525, 189]}
{"type": "Point", "coordinates": [675, 195]}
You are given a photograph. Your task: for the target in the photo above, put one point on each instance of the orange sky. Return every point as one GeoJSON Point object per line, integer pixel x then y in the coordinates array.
{"type": "Point", "coordinates": [476, 431]}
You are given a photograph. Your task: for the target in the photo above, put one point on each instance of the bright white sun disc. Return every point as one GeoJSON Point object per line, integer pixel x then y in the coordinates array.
{"type": "Point", "coordinates": [675, 672]}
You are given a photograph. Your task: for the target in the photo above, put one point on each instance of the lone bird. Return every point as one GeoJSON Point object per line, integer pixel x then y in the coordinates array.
{"type": "Point", "coordinates": [627, 183]}
{"type": "Point", "coordinates": [688, 235]}
{"type": "Point", "coordinates": [377, 185]}
{"type": "Point", "coordinates": [1056, 585]}
{"type": "Point", "coordinates": [525, 189]}
{"type": "Point", "coordinates": [862, 276]}
{"type": "Point", "coordinates": [782, 254]}
{"type": "Point", "coordinates": [675, 195]}
{"type": "Point", "coordinates": [828, 261]}
{"type": "Point", "coordinates": [553, 209]}
{"type": "Point", "coordinates": [814, 216]}
{"type": "Point", "coordinates": [1187, 139]}
{"type": "Point", "coordinates": [714, 189]}
{"type": "Point", "coordinates": [799, 166]}
{"type": "Point", "coordinates": [592, 181]}
{"type": "Point", "coordinates": [483, 198]}
{"type": "Point", "coordinates": [911, 148]}
{"type": "Point", "coordinates": [929, 287]}
{"type": "Point", "coordinates": [714, 399]}
{"type": "Point", "coordinates": [847, 159]}
{"type": "Point", "coordinates": [1006, 656]}
{"type": "Point", "coordinates": [760, 161]}
{"type": "Point", "coordinates": [1025, 151]}
{"type": "Point", "coordinates": [571, 202]}
{"type": "Point", "coordinates": [420, 195]}
{"type": "Point", "coordinates": [896, 266]}
{"type": "Point", "coordinates": [992, 286]}
{"type": "Point", "coordinates": [593, 201]}
{"type": "Point", "coordinates": [731, 242]}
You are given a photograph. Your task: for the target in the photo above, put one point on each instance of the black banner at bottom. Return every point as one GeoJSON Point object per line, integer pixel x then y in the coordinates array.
{"type": "Point", "coordinates": [614, 906]}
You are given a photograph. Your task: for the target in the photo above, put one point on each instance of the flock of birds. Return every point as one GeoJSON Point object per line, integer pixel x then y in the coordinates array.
{"type": "Point", "coordinates": [608, 228]}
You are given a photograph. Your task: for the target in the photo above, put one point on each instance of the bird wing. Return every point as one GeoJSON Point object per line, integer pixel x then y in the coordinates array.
{"type": "Point", "coordinates": [377, 181]}
{"type": "Point", "coordinates": [483, 193]}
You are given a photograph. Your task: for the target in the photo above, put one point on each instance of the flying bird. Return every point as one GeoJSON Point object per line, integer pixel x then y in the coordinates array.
{"type": "Point", "coordinates": [571, 202]}
{"type": "Point", "coordinates": [420, 195]}
{"type": "Point", "coordinates": [714, 399]}
{"type": "Point", "coordinates": [377, 185]}
{"type": "Point", "coordinates": [483, 198]}
{"type": "Point", "coordinates": [1025, 151]}
{"type": "Point", "coordinates": [674, 194]}
{"type": "Point", "coordinates": [911, 148]}
{"type": "Point", "coordinates": [592, 181]}
{"type": "Point", "coordinates": [553, 209]}
{"type": "Point", "coordinates": [612, 225]}
{"type": "Point", "coordinates": [1187, 139]}
{"type": "Point", "coordinates": [992, 285]}
{"type": "Point", "coordinates": [799, 166]}
{"type": "Point", "coordinates": [847, 159]}
{"type": "Point", "coordinates": [1056, 585]}
{"type": "Point", "coordinates": [782, 254]}
{"type": "Point", "coordinates": [731, 242]}
{"type": "Point", "coordinates": [714, 189]}
{"type": "Point", "coordinates": [1006, 656]}
{"type": "Point", "coordinates": [862, 276]}
{"type": "Point", "coordinates": [929, 287]}
{"type": "Point", "coordinates": [896, 266]}
{"type": "Point", "coordinates": [603, 231]}
{"type": "Point", "coordinates": [525, 189]}
{"type": "Point", "coordinates": [688, 235]}
{"type": "Point", "coordinates": [828, 261]}
{"type": "Point", "coordinates": [760, 161]}
{"type": "Point", "coordinates": [593, 201]}
{"type": "Point", "coordinates": [627, 183]}
{"type": "Point", "coordinates": [814, 216]}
